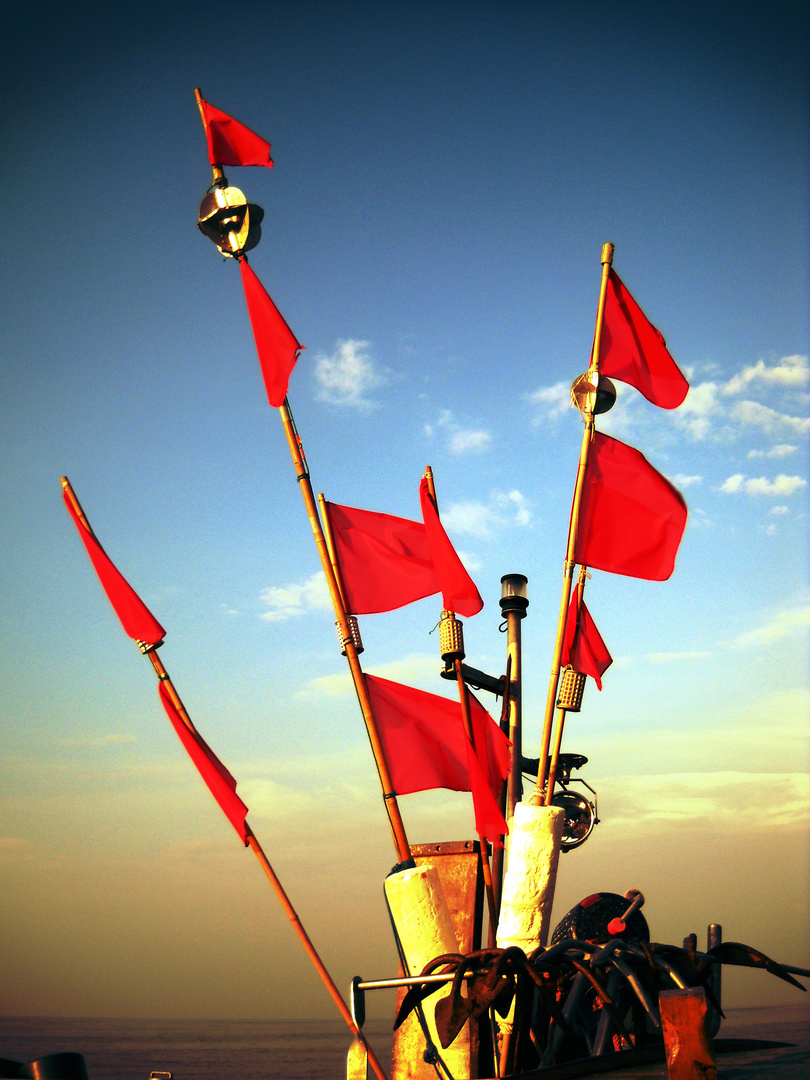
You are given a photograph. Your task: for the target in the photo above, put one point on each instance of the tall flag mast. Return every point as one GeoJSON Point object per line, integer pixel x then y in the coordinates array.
{"type": "Point", "coordinates": [626, 518]}
{"type": "Point", "coordinates": [139, 623]}
{"type": "Point", "coordinates": [225, 218]}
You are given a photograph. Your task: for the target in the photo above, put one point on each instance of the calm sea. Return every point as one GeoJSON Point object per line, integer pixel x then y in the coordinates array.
{"type": "Point", "coordinates": [262, 1049]}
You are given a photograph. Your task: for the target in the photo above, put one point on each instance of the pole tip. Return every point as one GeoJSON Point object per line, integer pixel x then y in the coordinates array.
{"type": "Point", "coordinates": [607, 253]}
{"type": "Point", "coordinates": [65, 482]}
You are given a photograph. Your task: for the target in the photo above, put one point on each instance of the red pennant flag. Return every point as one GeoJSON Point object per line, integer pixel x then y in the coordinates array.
{"type": "Point", "coordinates": [231, 143]}
{"type": "Point", "coordinates": [425, 746]}
{"type": "Point", "coordinates": [220, 782]}
{"type": "Point", "coordinates": [583, 647]}
{"type": "Point", "coordinates": [136, 618]}
{"type": "Point", "coordinates": [276, 344]}
{"type": "Point", "coordinates": [458, 589]}
{"type": "Point", "coordinates": [634, 351]}
{"type": "Point", "coordinates": [631, 518]}
{"type": "Point", "coordinates": [384, 560]}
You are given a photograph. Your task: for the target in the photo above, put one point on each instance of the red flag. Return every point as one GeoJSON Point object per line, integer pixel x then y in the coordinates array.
{"type": "Point", "coordinates": [583, 647]}
{"type": "Point", "coordinates": [425, 746]}
{"type": "Point", "coordinates": [276, 344]}
{"type": "Point", "coordinates": [220, 782]}
{"type": "Point", "coordinates": [384, 560]}
{"type": "Point", "coordinates": [631, 518]}
{"type": "Point", "coordinates": [136, 618]}
{"type": "Point", "coordinates": [458, 589]}
{"type": "Point", "coordinates": [634, 351]}
{"type": "Point", "coordinates": [231, 143]}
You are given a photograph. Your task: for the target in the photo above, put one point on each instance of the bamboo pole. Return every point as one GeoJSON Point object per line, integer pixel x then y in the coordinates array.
{"type": "Point", "coordinates": [311, 951]}
{"type": "Point", "coordinates": [568, 566]}
{"type": "Point", "coordinates": [165, 679]}
{"type": "Point", "coordinates": [466, 720]}
{"type": "Point", "coordinates": [302, 474]}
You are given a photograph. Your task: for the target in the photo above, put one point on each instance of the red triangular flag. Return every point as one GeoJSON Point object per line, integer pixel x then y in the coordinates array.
{"type": "Point", "coordinates": [458, 589]}
{"type": "Point", "coordinates": [631, 518]}
{"type": "Point", "coordinates": [425, 747]}
{"type": "Point", "coordinates": [220, 782]}
{"type": "Point", "coordinates": [384, 560]}
{"type": "Point", "coordinates": [583, 647]}
{"type": "Point", "coordinates": [276, 344]}
{"type": "Point", "coordinates": [230, 142]}
{"type": "Point", "coordinates": [634, 351]}
{"type": "Point", "coordinates": [136, 618]}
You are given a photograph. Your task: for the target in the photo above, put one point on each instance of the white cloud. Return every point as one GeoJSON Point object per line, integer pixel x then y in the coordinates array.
{"type": "Point", "coordinates": [417, 669]}
{"type": "Point", "coordinates": [461, 440]}
{"type": "Point", "coordinates": [289, 601]}
{"type": "Point", "coordinates": [779, 451]}
{"type": "Point", "coordinates": [682, 481]}
{"type": "Point", "coordinates": [669, 657]}
{"type": "Point", "coordinates": [481, 519]}
{"type": "Point", "coordinates": [789, 372]}
{"type": "Point", "coordinates": [465, 441]}
{"type": "Point", "coordinates": [470, 519]}
{"type": "Point", "coordinates": [346, 377]}
{"type": "Point", "coordinates": [98, 743]}
{"type": "Point", "coordinates": [782, 486]}
{"type": "Point", "coordinates": [785, 623]}
{"type": "Point", "coordinates": [698, 410]}
{"type": "Point", "coordinates": [754, 414]}
{"type": "Point", "coordinates": [778, 511]}
{"type": "Point", "coordinates": [553, 401]}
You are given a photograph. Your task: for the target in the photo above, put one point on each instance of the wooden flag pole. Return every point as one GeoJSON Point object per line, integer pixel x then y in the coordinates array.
{"type": "Point", "coordinates": [568, 566]}
{"type": "Point", "coordinates": [466, 720]}
{"type": "Point", "coordinates": [302, 474]}
{"type": "Point", "coordinates": [163, 677]}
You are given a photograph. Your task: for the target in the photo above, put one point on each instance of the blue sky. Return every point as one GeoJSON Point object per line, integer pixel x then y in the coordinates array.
{"type": "Point", "coordinates": [445, 177]}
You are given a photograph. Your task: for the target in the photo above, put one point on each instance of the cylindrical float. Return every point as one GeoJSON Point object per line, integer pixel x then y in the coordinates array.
{"type": "Point", "coordinates": [528, 887]}
{"type": "Point", "coordinates": [425, 930]}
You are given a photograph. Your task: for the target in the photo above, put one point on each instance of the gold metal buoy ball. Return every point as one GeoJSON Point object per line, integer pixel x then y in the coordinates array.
{"type": "Point", "coordinates": [593, 393]}
{"type": "Point", "coordinates": [229, 220]}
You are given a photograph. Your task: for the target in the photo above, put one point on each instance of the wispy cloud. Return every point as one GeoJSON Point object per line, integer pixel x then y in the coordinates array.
{"type": "Point", "coordinates": [780, 487]}
{"type": "Point", "coordinates": [551, 401]}
{"type": "Point", "coordinates": [416, 669]}
{"type": "Point", "coordinates": [782, 625]}
{"type": "Point", "coordinates": [98, 743]}
{"type": "Point", "coordinates": [754, 414]}
{"type": "Point", "coordinates": [289, 601]}
{"type": "Point", "coordinates": [348, 375]}
{"type": "Point", "coordinates": [676, 657]}
{"type": "Point", "coordinates": [781, 450]}
{"type": "Point", "coordinates": [790, 372]}
{"type": "Point", "coordinates": [682, 481]}
{"type": "Point", "coordinates": [460, 440]}
{"type": "Point", "coordinates": [481, 520]}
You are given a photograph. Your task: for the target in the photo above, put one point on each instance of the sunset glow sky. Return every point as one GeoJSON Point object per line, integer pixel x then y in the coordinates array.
{"type": "Point", "coordinates": [445, 176]}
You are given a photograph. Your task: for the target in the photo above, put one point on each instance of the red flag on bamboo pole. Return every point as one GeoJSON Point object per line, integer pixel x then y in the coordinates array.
{"type": "Point", "coordinates": [230, 142]}
{"type": "Point", "coordinates": [276, 344]}
{"type": "Point", "coordinates": [136, 618]}
{"type": "Point", "coordinates": [220, 782]}
{"type": "Point", "coordinates": [458, 589]}
{"type": "Point", "coordinates": [583, 647]}
{"type": "Point", "coordinates": [631, 518]}
{"type": "Point", "coordinates": [633, 350]}
{"type": "Point", "coordinates": [425, 746]}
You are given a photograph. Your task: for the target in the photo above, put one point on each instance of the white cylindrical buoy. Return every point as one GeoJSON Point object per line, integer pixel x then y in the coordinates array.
{"type": "Point", "coordinates": [528, 887]}
{"type": "Point", "coordinates": [425, 929]}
